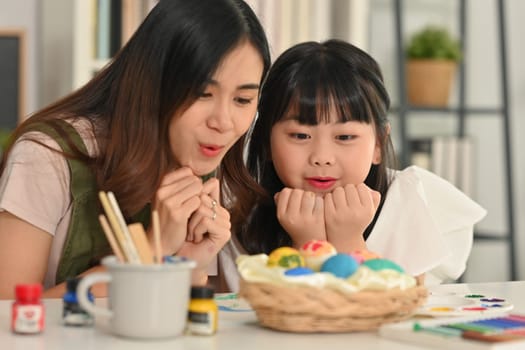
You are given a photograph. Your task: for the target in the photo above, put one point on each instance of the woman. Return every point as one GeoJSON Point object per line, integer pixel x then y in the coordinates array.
{"type": "Point", "coordinates": [154, 127]}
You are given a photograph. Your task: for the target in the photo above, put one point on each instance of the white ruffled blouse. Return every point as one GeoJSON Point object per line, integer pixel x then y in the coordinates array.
{"type": "Point", "coordinates": [426, 225]}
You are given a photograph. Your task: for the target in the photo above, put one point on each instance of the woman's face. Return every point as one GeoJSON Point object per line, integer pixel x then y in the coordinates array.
{"type": "Point", "coordinates": [203, 133]}
{"type": "Point", "coordinates": [321, 157]}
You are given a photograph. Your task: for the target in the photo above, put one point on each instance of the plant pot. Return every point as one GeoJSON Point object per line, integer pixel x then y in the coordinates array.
{"type": "Point", "coordinates": [429, 82]}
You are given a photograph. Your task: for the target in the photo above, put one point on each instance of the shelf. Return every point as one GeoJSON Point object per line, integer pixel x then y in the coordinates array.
{"type": "Point", "coordinates": [101, 28]}
{"type": "Point", "coordinates": [452, 110]}
{"type": "Point", "coordinates": [483, 236]}
{"type": "Point", "coordinates": [460, 111]}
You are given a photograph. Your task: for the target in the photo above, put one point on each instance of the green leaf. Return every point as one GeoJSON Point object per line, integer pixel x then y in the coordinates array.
{"type": "Point", "coordinates": [433, 43]}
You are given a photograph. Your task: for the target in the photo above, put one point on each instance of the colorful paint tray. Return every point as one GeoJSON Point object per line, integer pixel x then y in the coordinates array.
{"type": "Point", "coordinates": [474, 332]}
{"type": "Point", "coordinates": [449, 304]}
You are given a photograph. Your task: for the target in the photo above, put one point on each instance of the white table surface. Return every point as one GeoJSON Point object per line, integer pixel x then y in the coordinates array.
{"type": "Point", "coordinates": [237, 330]}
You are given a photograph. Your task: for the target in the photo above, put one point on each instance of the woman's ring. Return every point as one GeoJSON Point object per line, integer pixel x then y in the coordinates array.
{"type": "Point", "coordinates": [213, 206]}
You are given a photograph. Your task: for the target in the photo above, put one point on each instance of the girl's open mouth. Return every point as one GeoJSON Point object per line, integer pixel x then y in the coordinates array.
{"type": "Point", "coordinates": [321, 182]}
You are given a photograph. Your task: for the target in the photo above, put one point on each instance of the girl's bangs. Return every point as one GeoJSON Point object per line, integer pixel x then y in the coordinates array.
{"type": "Point", "coordinates": [313, 104]}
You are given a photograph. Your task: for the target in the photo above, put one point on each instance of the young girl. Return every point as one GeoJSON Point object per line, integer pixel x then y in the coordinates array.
{"type": "Point", "coordinates": [322, 154]}
{"type": "Point", "coordinates": [170, 109]}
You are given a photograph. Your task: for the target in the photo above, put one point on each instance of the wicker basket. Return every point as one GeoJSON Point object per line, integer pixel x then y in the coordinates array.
{"type": "Point", "coordinates": [308, 310]}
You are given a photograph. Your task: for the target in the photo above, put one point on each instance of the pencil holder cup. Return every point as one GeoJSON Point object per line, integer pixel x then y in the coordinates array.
{"type": "Point", "coordinates": [144, 301]}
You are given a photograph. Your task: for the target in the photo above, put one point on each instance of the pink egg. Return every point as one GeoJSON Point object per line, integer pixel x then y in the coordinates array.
{"type": "Point", "coordinates": [364, 255]}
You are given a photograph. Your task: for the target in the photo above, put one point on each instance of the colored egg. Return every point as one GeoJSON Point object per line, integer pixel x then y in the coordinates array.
{"type": "Point", "coordinates": [364, 255]}
{"type": "Point", "coordinates": [298, 271]}
{"type": "Point", "coordinates": [340, 265]}
{"type": "Point", "coordinates": [316, 247]}
{"type": "Point", "coordinates": [286, 257]}
{"type": "Point", "coordinates": [316, 252]}
{"type": "Point", "coordinates": [382, 264]}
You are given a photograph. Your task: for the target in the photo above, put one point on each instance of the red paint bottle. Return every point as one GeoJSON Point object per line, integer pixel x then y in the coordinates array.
{"type": "Point", "coordinates": [28, 311]}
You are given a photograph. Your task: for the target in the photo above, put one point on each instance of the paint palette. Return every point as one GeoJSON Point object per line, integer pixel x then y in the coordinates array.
{"type": "Point", "coordinates": [451, 304]}
{"type": "Point", "coordinates": [231, 302]}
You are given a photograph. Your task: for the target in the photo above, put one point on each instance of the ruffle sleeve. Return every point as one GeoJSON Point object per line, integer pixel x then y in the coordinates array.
{"type": "Point", "coordinates": [426, 225]}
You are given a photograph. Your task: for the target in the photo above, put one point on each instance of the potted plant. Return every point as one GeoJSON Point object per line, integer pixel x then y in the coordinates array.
{"type": "Point", "coordinates": [432, 56]}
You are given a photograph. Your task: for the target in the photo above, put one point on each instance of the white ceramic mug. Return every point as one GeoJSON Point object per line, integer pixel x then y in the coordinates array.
{"type": "Point", "coordinates": [145, 301]}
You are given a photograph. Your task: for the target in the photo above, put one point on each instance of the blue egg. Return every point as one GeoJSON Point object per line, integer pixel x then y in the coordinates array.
{"type": "Point", "coordinates": [382, 264]}
{"type": "Point", "coordinates": [340, 265]}
{"type": "Point", "coordinates": [299, 271]}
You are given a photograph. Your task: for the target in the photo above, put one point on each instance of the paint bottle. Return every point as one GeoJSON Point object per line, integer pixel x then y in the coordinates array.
{"type": "Point", "coordinates": [28, 312]}
{"type": "Point", "coordinates": [203, 312]}
{"type": "Point", "coordinates": [73, 314]}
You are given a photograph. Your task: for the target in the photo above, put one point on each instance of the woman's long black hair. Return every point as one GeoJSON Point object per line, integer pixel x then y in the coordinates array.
{"type": "Point", "coordinates": [162, 69]}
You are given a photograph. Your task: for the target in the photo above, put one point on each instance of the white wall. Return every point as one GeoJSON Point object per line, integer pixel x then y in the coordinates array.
{"type": "Point", "coordinates": [23, 14]}
{"type": "Point", "coordinates": [56, 59]}
{"type": "Point", "coordinates": [488, 260]}
{"type": "Point", "coordinates": [288, 22]}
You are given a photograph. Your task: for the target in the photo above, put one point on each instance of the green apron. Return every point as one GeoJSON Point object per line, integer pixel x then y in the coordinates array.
{"type": "Point", "coordinates": [85, 242]}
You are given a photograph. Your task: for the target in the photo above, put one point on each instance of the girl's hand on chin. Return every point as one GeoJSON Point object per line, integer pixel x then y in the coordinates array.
{"type": "Point", "coordinates": [301, 214]}
{"type": "Point", "coordinates": [348, 212]}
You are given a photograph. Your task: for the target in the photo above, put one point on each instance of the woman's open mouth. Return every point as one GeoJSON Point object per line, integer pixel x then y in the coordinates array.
{"type": "Point", "coordinates": [210, 150]}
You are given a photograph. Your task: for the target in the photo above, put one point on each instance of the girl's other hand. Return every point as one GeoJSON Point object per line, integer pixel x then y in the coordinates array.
{"type": "Point", "coordinates": [209, 228]}
{"type": "Point", "coordinates": [177, 198]}
{"type": "Point", "coordinates": [301, 214]}
{"type": "Point", "coordinates": [348, 212]}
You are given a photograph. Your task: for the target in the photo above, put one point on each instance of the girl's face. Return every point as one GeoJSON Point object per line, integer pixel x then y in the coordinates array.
{"type": "Point", "coordinates": [202, 134]}
{"type": "Point", "coordinates": [321, 157]}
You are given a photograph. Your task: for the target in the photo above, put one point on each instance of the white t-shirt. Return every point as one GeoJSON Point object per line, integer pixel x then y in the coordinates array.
{"type": "Point", "coordinates": [426, 226]}
{"type": "Point", "coordinates": [35, 187]}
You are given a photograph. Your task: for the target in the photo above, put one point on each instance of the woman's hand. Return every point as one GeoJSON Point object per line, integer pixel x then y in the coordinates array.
{"type": "Point", "coordinates": [209, 228]}
{"type": "Point", "coordinates": [301, 214]}
{"type": "Point", "coordinates": [420, 279]}
{"type": "Point", "coordinates": [177, 198]}
{"type": "Point", "coordinates": [348, 212]}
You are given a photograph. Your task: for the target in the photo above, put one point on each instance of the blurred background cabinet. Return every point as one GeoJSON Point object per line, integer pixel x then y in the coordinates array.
{"type": "Point", "coordinates": [83, 40]}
